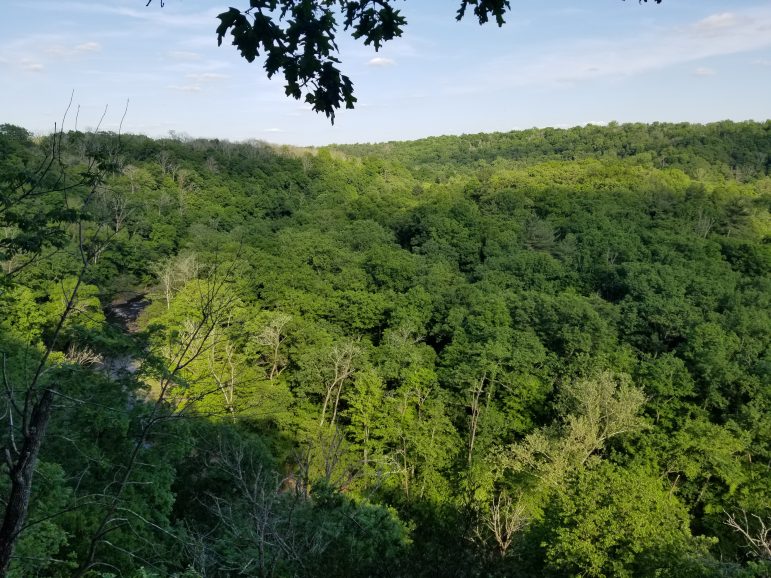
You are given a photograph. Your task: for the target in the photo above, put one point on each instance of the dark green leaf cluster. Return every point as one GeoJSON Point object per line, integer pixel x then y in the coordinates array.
{"type": "Point", "coordinates": [484, 9]}
{"type": "Point", "coordinates": [297, 38]}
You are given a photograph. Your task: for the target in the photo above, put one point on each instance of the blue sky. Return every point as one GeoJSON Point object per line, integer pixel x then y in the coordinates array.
{"type": "Point", "coordinates": [555, 63]}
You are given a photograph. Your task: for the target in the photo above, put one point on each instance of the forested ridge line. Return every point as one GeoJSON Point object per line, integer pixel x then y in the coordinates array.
{"type": "Point", "coordinates": [536, 353]}
{"type": "Point", "coordinates": [732, 149]}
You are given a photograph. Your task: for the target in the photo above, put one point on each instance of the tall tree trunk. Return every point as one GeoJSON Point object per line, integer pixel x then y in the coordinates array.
{"type": "Point", "coordinates": [21, 475]}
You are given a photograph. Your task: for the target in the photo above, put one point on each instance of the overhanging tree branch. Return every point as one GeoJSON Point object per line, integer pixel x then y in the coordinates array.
{"type": "Point", "coordinates": [298, 39]}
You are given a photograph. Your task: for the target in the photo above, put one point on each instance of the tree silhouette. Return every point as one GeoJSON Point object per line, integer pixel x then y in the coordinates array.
{"type": "Point", "coordinates": [298, 38]}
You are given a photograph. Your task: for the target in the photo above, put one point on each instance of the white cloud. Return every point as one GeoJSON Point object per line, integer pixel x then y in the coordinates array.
{"type": "Point", "coordinates": [32, 66]}
{"type": "Point", "coordinates": [59, 50]}
{"type": "Point", "coordinates": [200, 77]}
{"type": "Point", "coordinates": [763, 61]}
{"type": "Point", "coordinates": [704, 71]}
{"type": "Point", "coordinates": [273, 130]}
{"type": "Point", "coordinates": [197, 81]}
{"type": "Point", "coordinates": [717, 35]}
{"type": "Point", "coordinates": [716, 22]}
{"type": "Point", "coordinates": [301, 110]}
{"type": "Point", "coordinates": [185, 87]}
{"type": "Point", "coordinates": [88, 47]}
{"type": "Point", "coordinates": [381, 62]}
{"type": "Point", "coordinates": [184, 55]}
{"type": "Point", "coordinates": [170, 16]}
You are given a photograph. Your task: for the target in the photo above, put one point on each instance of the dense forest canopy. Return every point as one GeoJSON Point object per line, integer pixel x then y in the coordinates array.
{"type": "Point", "coordinates": [535, 353]}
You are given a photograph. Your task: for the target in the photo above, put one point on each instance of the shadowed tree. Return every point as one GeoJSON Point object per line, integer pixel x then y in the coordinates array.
{"type": "Point", "coordinates": [35, 206]}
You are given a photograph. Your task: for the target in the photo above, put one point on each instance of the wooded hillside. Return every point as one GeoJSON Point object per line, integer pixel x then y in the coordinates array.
{"type": "Point", "coordinates": [537, 353]}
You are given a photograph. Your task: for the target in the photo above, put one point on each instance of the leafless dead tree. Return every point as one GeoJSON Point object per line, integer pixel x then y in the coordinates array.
{"type": "Point", "coordinates": [342, 357]}
{"type": "Point", "coordinates": [755, 530]}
